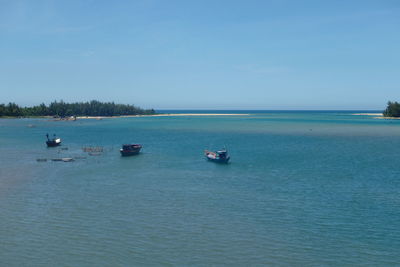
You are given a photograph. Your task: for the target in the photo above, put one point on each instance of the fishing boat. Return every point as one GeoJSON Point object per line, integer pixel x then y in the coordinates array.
{"type": "Point", "coordinates": [130, 149]}
{"type": "Point", "coordinates": [220, 156]}
{"type": "Point", "coordinates": [55, 141]}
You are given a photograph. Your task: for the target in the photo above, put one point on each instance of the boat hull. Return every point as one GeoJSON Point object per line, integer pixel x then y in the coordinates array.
{"type": "Point", "coordinates": [52, 143]}
{"type": "Point", "coordinates": [130, 152]}
{"type": "Point", "coordinates": [217, 160]}
{"type": "Point", "coordinates": [217, 157]}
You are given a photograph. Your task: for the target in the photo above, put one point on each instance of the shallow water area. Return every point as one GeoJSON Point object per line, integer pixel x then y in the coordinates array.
{"type": "Point", "coordinates": [302, 188]}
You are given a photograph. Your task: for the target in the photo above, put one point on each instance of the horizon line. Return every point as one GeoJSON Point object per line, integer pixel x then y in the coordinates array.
{"type": "Point", "coordinates": [241, 109]}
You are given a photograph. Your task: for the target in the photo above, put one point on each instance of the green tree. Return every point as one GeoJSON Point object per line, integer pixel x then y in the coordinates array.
{"type": "Point", "coordinates": [92, 108]}
{"type": "Point", "coordinates": [392, 109]}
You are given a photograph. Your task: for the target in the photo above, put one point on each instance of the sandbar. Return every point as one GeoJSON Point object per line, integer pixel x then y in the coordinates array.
{"type": "Point", "coordinates": [377, 116]}
{"type": "Point", "coordinates": [367, 114]}
{"type": "Point", "coordinates": [163, 115]}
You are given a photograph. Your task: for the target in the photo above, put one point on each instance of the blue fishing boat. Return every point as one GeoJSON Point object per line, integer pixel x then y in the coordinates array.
{"type": "Point", "coordinates": [55, 141]}
{"type": "Point", "coordinates": [130, 149]}
{"type": "Point", "coordinates": [220, 156]}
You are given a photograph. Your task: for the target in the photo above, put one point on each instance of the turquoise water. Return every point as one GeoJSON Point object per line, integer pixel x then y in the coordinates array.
{"type": "Point", "coordinates": [303, 188]}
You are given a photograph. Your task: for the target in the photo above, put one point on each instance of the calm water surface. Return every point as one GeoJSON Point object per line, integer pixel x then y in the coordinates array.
{"type": "Point", "coordinates": [303, 188]}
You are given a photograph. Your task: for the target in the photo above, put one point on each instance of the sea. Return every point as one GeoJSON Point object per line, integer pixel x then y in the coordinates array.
{"type": "Point", "coordinates": [303, 188]}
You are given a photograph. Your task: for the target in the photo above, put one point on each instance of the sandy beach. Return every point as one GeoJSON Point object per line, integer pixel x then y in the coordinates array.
{"type": "Point", "coordinates": [367, 114]}
{"type": "Point", "coordinates": [387, 118]}
{"type": "Point", "coordinates": [376, 116]}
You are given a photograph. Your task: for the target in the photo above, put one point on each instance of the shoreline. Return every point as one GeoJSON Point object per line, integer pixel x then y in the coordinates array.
{"type": "Point", "coordinates": [367, 114]}
{"type": "Point", "coordinates": [387, 118]}
{"type": "Point", "coordinates": [163, 115]}
{"type": "Point", "coordinates": [127, 116]}
{"type": "Point", "coordinates": [376, 116]}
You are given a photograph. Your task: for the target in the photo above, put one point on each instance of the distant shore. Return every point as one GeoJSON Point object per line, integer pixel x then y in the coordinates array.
{"type": "Point", "coordinates": [162, 115]}
{"type": "Point", "coordinates": [376, 116]}
{"type": "Point", "coordinates": [72, 118]}
{"type": "Point", "coordinates": [367, 114]}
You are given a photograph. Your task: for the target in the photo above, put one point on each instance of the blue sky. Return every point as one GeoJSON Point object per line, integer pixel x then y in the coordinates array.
{"type": "Point", "coordinates": [271, 54]}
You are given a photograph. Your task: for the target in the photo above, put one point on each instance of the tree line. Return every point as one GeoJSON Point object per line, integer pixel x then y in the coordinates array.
{"type": "Point", "coordinates": [392, 110]}
{"type": "Point", "coordinates": [62, 109]}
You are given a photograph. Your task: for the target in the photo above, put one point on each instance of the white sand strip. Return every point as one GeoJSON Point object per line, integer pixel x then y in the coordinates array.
{"type": "Point", "coordinates": [368, 114]}
{"type": "Point", "coordinates": [162, 115]}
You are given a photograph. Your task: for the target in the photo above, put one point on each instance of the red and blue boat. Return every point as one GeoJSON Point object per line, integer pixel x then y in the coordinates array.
{"type": "Point", "coordinates": [220, 156]}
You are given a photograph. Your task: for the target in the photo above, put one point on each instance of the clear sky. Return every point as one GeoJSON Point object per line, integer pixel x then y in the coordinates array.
{"type": "Point", "coordinates": [267, 54]}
